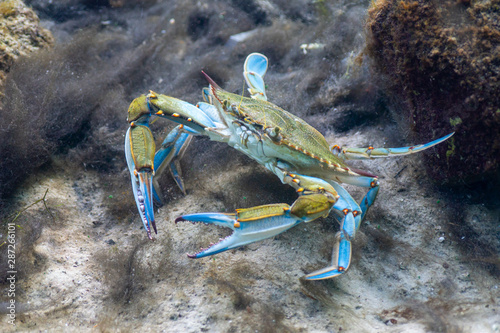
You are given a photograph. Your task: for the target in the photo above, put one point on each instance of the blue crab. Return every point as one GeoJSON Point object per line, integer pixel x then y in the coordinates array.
{"type": "Point", "coordinates": [283, 143]}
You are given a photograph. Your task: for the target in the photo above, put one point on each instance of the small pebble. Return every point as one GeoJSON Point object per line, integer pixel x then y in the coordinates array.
{"type": "Point", "coordinates": [391, 322]}
{"type": "Point", "coordinates": [441, 239]}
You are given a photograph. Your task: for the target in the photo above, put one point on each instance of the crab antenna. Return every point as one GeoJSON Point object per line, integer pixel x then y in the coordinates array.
{"type": "Point", "coordinates": [242, 93]}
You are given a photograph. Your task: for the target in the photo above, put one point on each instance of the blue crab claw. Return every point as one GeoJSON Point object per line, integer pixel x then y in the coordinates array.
{"type": "Point", "coordinates": [138, 148]}
{"type": "Point", "coordinates": [142, 186]}
{"type": "Point", "coordinates": [146, 188]}
{"type": "Point", "coordinates": [248, 225]}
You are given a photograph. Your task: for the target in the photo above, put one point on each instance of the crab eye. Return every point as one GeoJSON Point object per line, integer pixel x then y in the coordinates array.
{"type": "Point", "coordinates": [226, 105]}
{"type": "Point", "coordinates": [235, 109]}
{"type": "Point", "coordinates": [274, 133]}
{"type": "Point", "coordinates": [230, 108]}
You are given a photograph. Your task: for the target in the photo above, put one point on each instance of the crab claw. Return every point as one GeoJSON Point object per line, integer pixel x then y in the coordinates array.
{"type": "Point", "coordinates": [144, 199]}
{"type": "Point", "coordinates": [139, 161]}
{"type": "Point", "coordinates": [248, 225]}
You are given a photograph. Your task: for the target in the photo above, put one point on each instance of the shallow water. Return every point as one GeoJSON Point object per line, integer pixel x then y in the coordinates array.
{"type": "Point", "coordinates": [425, 259]}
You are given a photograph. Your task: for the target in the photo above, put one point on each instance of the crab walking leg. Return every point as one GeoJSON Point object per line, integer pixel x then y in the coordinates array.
{"type": "Point", "coordinates": [370, 182]}
{"type": "Point", "coordinates": [370, 197]}
{"type": "Point", "coordinates": [346, 153]}
{"type": "Point", "coordinates": [352, 215]}
{"type": "Point", "coordinates": [350, 211]}
{"type": "Point", "coordinates": [316, 199]}
{"type": "Point", "coordinates": [341, 258]}
{"type": "Point", "coordinates": [171, 151]}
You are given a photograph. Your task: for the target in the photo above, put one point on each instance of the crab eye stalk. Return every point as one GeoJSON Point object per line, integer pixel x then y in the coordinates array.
{"type": "Point", "coordinates": [274, 134]}
{"type": "Point", "coordinates": [226, 106]}
{"type": "Point", "coordinates": [236, 110]}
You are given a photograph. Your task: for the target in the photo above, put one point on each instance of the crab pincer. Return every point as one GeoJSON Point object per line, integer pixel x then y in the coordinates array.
{"type": "Point", "coordinates": [248, 225]}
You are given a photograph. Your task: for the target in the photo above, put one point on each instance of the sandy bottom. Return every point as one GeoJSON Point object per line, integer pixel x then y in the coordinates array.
{"type": "Point", "coordinates": [420, 260]}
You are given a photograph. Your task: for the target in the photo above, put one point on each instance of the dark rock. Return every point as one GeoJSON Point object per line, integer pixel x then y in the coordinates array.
{"type": "Point", "coordinates": [441, 60]}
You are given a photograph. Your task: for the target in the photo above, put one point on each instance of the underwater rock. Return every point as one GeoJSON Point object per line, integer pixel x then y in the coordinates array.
{"type": "Point", "coordinates": [21, 35]}
{"type": "Point", "coordinates": [441, 63]}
